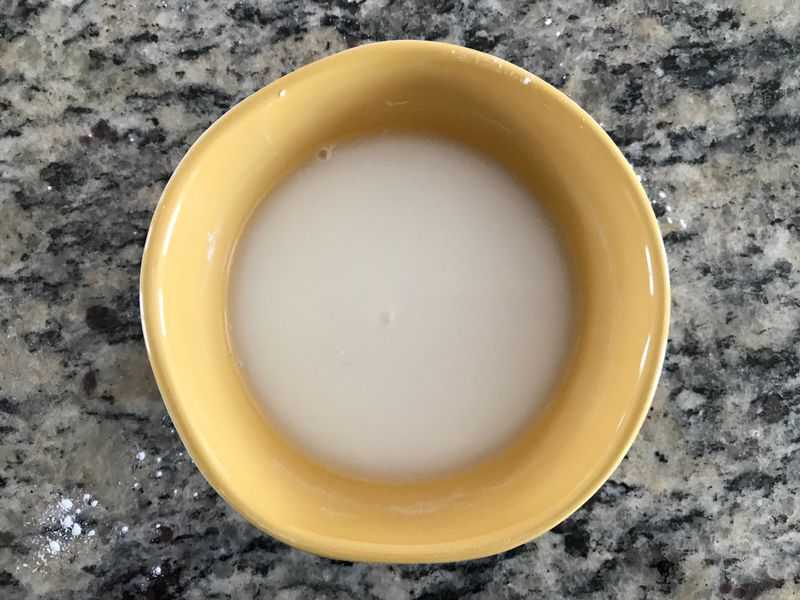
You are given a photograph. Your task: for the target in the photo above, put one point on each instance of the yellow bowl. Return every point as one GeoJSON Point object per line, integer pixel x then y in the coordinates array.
{"type": "Point", "coordinates": [616, 257]}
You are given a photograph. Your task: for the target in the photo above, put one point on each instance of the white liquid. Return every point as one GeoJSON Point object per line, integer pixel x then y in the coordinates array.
{"type": "Point", "coordinates": [401, 308]}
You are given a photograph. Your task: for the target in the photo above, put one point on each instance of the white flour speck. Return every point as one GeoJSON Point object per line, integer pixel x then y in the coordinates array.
{"type": "Point", "coordinates": [548, 21]}
{"type": "Point", "coordinates": [159, 473]}
{"type": "Point", "coordinates": [662, 195]}
{"type": "Point", "coordinates": [158, 460]}
{"type": "Point", "coordinates": [60, 535]}
{"type": "Point", "coordinates": [156, 571]}
{"type": "Point", "coordinates": [136, 485]}
{"type": "Point", "coordinates": [94, 502]}
{"type": "Point", "coordinates": [140, 455]}
{"type": "Point", "coordinates": [91, 533]}
{"type": "Point", "coordinates": [158, 525]}
{"type": "Point", "coordinates": [194, 495]}
{"type": "Point", "coordinates": [124, 529]}
{"type": "Point", "coordinates": [86, 498]}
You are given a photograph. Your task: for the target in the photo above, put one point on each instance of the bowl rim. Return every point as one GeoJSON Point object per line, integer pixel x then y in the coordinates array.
{"type": "Point", "coordinates": [491, 543]}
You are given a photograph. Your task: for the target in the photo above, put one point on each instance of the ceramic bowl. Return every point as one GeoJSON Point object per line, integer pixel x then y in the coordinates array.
{"type": "Point", "coordinates": [616, 258]}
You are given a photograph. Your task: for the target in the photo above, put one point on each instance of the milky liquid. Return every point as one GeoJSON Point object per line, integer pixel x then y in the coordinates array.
{"type": "Point", "coordinates": [400, 306]}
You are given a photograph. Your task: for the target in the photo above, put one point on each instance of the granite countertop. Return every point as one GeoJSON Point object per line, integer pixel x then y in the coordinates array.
{"type": "Point", "coordinates": [99, 101]}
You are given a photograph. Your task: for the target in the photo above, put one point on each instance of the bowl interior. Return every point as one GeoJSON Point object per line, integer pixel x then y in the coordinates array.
{"type": "Point", "coordinates": [616, 257]}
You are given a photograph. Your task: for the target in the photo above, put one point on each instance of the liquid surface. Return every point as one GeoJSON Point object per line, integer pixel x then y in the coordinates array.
{"type": "Point", "coordinates": [400, 306]}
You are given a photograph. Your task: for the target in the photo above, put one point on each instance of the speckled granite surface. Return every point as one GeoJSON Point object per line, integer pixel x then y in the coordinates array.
{"type": "Point", "coordinates": [98, 102]}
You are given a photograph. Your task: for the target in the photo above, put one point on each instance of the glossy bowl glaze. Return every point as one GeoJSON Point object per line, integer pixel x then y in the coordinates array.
{"type": "Point", "coordinates": [617, 262]}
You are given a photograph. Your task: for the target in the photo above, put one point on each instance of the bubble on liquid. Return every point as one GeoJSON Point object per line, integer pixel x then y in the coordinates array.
{"type": "Point", "coordinates": [325, 153]}
{"type": "Point", "coordinates": [526, 81]}
{"type": "Point", "coordinates": [386, 317]}
{"type": "Point", "coordinates": [282, 93]}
